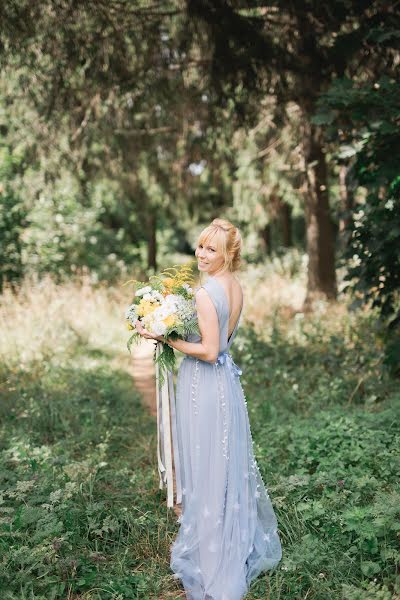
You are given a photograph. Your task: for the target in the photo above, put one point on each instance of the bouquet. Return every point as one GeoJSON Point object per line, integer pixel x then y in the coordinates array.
{"type": "Point", "coordinates": [164, 305]}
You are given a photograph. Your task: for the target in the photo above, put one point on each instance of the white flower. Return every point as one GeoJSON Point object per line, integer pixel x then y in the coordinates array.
{"type": "Point", "coordinates": [159, 328]}
{"type": "Point", "coordinates": [130, 311]}
{"type": "Point", "coordinates": [131, 315]}
{"type": "Point", "coordinates": [389, 204]}
{"type": "Point", "coordinates": [143, 290]}
{"type": "Point", "coordinates": [172, 300]}
{"type": "Point", "coordinates": [161, 313]}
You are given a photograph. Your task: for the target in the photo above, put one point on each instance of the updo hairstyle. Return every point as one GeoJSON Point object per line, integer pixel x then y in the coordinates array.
{"type": "Point", "coordinates": [227, 239]}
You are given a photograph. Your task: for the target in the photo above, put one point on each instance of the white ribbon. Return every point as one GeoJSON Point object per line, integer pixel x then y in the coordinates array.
{"type": "Point", "coordinates": [167, 441]}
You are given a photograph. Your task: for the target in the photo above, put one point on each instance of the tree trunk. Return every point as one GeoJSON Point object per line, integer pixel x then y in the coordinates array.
{"type": "Point", "coordinates": [319, 230]}
{"type": "Point", "coordinates": [265, 238]}
{"type": "Point", "coordinates": [152, 241]}
{"type": "Point", "coordinates": [286, 224]}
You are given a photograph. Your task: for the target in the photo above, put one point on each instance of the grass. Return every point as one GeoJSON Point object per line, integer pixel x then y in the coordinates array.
{"type": "Point", "coordinates": [81, 515]}
{"type": "Point", "coordinates": [81, 512]}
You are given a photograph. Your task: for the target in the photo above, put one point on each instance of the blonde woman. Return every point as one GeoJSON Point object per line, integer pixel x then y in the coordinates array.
{"type": "Point", "coordinates": [228, 533]}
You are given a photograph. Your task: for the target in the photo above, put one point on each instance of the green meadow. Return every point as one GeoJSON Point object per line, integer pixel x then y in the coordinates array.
{"type": "Point", "coordinates": [82, 516]}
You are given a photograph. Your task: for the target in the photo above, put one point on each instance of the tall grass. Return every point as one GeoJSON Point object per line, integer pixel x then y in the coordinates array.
{"type": "Point", "coordinates": [45, 319]}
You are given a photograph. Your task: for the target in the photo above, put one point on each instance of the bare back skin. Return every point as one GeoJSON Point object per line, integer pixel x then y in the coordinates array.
{"type": "Point", "coordinates": [234, 294]}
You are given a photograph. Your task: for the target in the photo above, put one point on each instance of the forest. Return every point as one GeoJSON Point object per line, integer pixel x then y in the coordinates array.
{"type": "Point", "coordinates": [126, 126]}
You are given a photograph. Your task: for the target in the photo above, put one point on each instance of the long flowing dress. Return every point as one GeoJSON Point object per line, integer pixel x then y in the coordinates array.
{"type": "Point", "coordinates": [228, 529]}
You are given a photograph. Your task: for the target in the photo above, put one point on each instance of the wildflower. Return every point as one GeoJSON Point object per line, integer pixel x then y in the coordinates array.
{"type": "Point", "coordinates": [143, 290]}
{"type": "Point", "coordinates": [170, 320]}
{"type": "Point", "coordinates": [144, 308]}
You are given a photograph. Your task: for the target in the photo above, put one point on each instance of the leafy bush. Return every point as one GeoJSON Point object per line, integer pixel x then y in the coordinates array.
{"type": "Point", "coordinates": [363, 118]}
{"type": "Point", "coordinates": [13, 220]}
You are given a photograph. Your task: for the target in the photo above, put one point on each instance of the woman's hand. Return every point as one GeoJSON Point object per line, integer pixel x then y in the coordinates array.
{"type": "Point", "coordinates": [146, 334]}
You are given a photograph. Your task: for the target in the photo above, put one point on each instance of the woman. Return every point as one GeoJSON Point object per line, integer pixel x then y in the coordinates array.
{"type": "Point", "coordinates": [228, 531]}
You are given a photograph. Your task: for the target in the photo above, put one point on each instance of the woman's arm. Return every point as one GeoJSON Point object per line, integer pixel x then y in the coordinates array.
{"type": "Point", "coordinates": [207, 349]}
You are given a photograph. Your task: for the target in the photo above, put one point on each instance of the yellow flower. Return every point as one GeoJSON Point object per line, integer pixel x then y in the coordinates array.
{"type": "Point", "coordinates": [145, 307]}
{"type": "Point", "coordinates": [130, 326]}
{"type": "Point", "coordinates": [169, 321]}
{"type": "Point", "coordinates": [168, 283]}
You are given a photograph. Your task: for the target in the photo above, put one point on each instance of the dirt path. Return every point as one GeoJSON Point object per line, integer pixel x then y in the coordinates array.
{"type": "Point", "coordinates": [144, 378]}
{"type": "Point", "coordinates": [144, 374]}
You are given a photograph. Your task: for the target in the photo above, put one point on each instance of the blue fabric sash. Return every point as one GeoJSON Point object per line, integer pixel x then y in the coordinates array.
{"type": "Point", "coordinates": [225, 357]}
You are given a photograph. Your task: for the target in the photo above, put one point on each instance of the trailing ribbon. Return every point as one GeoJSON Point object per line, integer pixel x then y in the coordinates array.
{"type": "Point", "coordinates": [167, 451]}
{"type": "Point", "coordinates": [225, 357]}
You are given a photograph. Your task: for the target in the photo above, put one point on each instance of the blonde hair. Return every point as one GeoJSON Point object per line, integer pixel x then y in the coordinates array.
{"type": "Point", "coordinates": [227, 239]}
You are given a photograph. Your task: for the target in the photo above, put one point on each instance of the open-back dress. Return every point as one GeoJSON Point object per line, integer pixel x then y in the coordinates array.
{"type": "Point", "coordinates": [228, 529]}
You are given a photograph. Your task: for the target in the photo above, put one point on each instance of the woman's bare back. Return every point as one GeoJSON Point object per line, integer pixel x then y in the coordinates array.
{"type": "Point", "coordinates": [234, 294]}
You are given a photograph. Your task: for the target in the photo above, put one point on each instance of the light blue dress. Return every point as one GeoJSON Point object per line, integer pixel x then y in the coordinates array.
{"type": "Point", "coordinates": [228, 532]}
